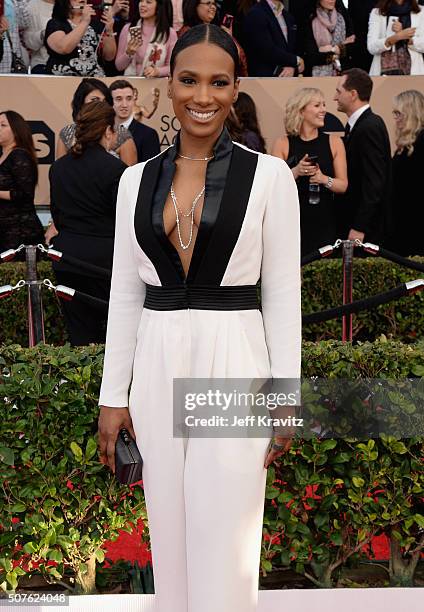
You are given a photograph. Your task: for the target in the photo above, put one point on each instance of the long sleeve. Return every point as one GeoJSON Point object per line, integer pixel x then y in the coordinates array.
{"type": "Point", "coordinates": [22, 15]}
{"type": "Point", "coordinates": [280, 275]}
{"type": "Point", "coordinates": [418, 40]}
{"type": "Point", "coordinates": [122, 60]}
{"type": "Point", "coordinates": [22, 171]}
{"type": "Point", "coordinates": [170, 43]}
{"type": "Point", "coordinates": [125, 305]}
{"type": "Point", "coordinates": [375, 156]}
{"type": "Point", "coordinates": [32, 35]}
{"type": "Point", "coordinates": [375, 40]}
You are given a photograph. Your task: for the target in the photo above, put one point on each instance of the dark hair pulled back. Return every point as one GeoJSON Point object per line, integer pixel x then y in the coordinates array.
{"type": "Point", "coordinates": [86, 86]}
{"type": "Point", "coordinates": [91, 124]}
{"type": "Point", "coordinates": [212, 34]}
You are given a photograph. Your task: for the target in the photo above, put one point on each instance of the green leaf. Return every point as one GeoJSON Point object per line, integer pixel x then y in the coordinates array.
{"type": "Point", "coordinates": [12, 579]}
{"type": "Point", "coordinates": [285, 497]}
{"type": "Point", "coordinates": [30, 547]}
{"type": "Point", "coordinates": [19, 507]}
{"type": "Point", "coordinates": [7, 455]}
{"type": "Point", "coordinates": [328, 445]}
{"type": "Point", "coordinates": [56, 555]}
{"type": "Point", "coordinates": [358, 482]}
{"type": "Point", "coordinates": [321, 519]}
{"type": "Point", "coordinates": [77, 451]}
{"type": "Point", "coordinates": [100, 555]}
{"type": "Point", "coordinates": [91, 449]}
{"type": "Point", "coordinates": [285, 558]}
{"type": "Point", "coordinates": [336, 538]}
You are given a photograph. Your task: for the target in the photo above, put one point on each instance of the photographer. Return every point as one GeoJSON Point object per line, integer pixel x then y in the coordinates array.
{"type": "Point", "coordinates": [74, 40]}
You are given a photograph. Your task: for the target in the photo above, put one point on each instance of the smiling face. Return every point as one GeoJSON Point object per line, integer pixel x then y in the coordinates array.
{"type": "Point", "coordinates": [147, 8]}
{"type": "Point", "coordinates": [203, 90]}
{"type": "Point", "coordinates": [123, 102]}
{"type": "Point", "coordinates": [314, 112]}
{"type": "Point", "coordinates": [206, 11]}
{"type": "Point", "coordinates": [7, 137]}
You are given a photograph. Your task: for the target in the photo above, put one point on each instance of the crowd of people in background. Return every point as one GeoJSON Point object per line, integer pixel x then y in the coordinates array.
{"type": "Point", "coordinates": [275, 38]}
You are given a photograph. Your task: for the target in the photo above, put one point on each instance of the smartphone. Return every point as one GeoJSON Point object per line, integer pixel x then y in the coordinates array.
{"type": "Point", "coordinates": [228, 20]}
{"type": "Point", "coordinates": [312, 159]}
{"type": "Point", "coordinates": [135, 33]}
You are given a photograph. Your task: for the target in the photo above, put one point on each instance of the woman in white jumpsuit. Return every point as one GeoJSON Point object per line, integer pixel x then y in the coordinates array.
{"type": "Point", "coordinates": [183, 304]}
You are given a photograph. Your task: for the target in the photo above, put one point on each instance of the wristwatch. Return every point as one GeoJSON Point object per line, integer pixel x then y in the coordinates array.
{"type": "Point", "coordinates": [330, 182]}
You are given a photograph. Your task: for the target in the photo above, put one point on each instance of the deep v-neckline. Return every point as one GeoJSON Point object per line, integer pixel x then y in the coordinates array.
{"type": "Point", "coordinates": [229, 180]}
{"type": "Point", "coordinates": [200, 227]}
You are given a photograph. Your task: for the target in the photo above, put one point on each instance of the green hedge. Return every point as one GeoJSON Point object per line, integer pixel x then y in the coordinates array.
{"type": "Point", "coordinates": [322, 289]}
{"type": "Point", "coordinates": [403, 320]}
{"type": "Point", "coordinates": [324, 499]}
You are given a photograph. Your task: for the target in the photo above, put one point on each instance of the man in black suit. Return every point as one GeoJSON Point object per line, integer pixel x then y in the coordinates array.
{"type": "Point", "coordinates": [146, 138]}
{"type": "Point", "coordinates": [270, 35]}
{"type": "Point", "coordinates": [364, 206]}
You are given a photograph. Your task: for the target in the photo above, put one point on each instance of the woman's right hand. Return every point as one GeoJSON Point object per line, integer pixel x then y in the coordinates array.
{"type": "Point", "coordinates": [405, 34]}
{"type": "Point", "coordinates": [397, 26]}
{"type": "Point", "coordinates": [111, 420]}
{"type": "Point", "coordinates": [50, 233]}
{"type": "Point", "coordinates": [133, 45]}
{"type": "Point", "coordinates": [87, 13]}
{"type": "Point", "coordinates": [304, 168]}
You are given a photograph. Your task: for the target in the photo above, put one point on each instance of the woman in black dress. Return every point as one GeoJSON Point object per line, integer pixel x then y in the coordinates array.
{"type": "Point", "coordinates": [83, 189]}
{"type": "Point", "coordinates": [19, 223]}
{"type": "Point", "coordinates": [408, 164]}
{"type": "Point", "coordinates": [74, 38]}
{"type": "Point", "coordinates": [315, 158]}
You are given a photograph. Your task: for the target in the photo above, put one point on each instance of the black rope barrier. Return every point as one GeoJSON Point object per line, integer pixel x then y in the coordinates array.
{"type": "Point", "coordinates": [363, 304]}
{"type": "Point", "coordinates": [69, 294]}
{"type": "Point", "coordinates": [314, 256]}
{"type": "Point", "coordinates": [319, 254]}
{"type": "Point", "coordinates": [96, 270]}
{"type": "Point", "coordinates": [403, 261]}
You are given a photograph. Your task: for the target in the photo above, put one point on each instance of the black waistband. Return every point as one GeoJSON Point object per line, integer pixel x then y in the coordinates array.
{"type": "Point", "coordinates": [201, 297]}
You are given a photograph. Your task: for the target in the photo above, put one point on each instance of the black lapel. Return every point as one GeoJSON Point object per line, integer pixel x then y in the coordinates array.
{"type": "Point", "coordinates": [358, 122]}
{"type": "Point", "coordinates": [213, 257]}
{"type": "Point", "coordinates": [146, 237]}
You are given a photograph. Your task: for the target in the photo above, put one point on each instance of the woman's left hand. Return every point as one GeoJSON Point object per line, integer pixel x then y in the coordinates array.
{"type": "Point", "coordinates": [151, 71]}
{"type": "Point", "coordinates": [228, 30]}
{"type": "Point", "coordinates": [318, 177]}
{"type": "Point", "coordinates": [273, 454]}
{"type": "Point", "coordinates": [350, 39]}
{"type": "Point", "coordinates": [107, 20]}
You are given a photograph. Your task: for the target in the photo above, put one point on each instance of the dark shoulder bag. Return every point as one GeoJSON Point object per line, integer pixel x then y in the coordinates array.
{"type": "Point", "coordinates": [18, 65]}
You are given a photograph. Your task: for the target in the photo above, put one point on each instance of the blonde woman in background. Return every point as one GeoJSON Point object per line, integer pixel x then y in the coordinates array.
{"type": "Point", "coordinates": [317, 159]}
{"type": "Point", "coordinates": [408, 164]}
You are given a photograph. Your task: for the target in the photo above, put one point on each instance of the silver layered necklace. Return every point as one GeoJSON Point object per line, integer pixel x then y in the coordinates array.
{"type": "Point", "coordinates": [179, 213]}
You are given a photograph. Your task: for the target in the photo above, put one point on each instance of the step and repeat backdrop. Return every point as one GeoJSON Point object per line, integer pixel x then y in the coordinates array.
{"type": "Point", "coordinates": [46, 103]}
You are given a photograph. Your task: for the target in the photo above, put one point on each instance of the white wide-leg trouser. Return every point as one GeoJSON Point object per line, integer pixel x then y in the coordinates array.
{"type": "Point", "coordinates": [205, 501]}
